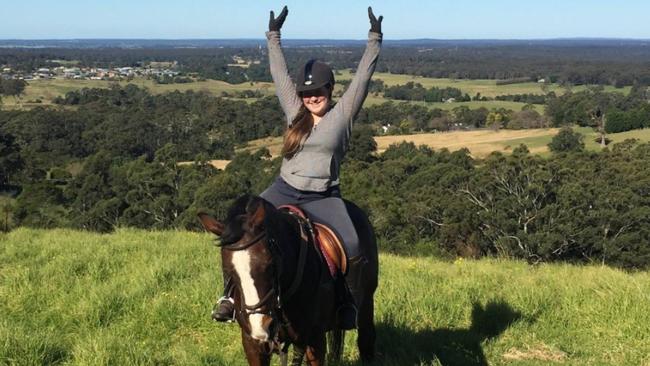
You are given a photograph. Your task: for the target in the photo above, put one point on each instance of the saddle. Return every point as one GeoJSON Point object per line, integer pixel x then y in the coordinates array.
{"type": "Point", "coordinates": [325, 240]}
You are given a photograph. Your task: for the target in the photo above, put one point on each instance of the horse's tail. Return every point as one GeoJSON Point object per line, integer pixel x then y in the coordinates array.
{"type": "Point", "coordinates": [335, 340]}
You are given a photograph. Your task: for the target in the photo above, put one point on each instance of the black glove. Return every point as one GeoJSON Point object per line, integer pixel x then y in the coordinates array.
{"type": "Point", "coordinates": [276, 23]}
{"type": "Point", "coordinates": [375, 24]}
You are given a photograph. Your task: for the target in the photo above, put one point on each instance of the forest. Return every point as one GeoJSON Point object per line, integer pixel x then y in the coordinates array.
{"type": "Point", "coordinates": [110, 158]}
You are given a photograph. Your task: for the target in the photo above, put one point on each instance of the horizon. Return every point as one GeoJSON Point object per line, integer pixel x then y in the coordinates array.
{"type": "Point", "coordinates": [334, 39]}
{"type": "Point", "coordinates": [409, 20]}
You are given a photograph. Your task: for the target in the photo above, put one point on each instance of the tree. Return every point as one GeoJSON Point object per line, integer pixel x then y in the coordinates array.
{"type": "Point", "coordinates": [362, 144]}
{"type": "Point", "coordinates": [10, 160]}
{"type": "Point", "coordinates": [12, 86]}
{"type": "Point", "coordinates": [566, 141]}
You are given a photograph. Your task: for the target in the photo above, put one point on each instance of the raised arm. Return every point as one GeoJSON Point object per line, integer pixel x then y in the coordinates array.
{"type": "Point", "coordinates": [284, 87]}
{"type": "Point", "coordinates": [353, 98]}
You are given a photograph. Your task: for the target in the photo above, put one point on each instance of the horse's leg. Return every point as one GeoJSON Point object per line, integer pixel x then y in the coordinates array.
{"type": "Point", "coordinates": [316, 350]}
{"type": "Point", "coordinates": [366, 338]}
{"type": "Point", "coordinates": [335, 339]}
{"type": "Point", "coordinates": [255, 354]}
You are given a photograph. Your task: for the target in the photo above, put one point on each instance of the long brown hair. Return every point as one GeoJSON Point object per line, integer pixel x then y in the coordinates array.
{"type": "Point", "coordinates": [297, 132]}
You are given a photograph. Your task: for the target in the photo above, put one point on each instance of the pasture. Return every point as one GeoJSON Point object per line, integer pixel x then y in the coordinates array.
{"type": "Point", "coordinates": [479, 142]}
{"type": "Point", "coordinates": [46, 90]}
{"type": "Point", "coordinates": [487, 88]}
{"type": "Point", "coordinates": [144, 297]}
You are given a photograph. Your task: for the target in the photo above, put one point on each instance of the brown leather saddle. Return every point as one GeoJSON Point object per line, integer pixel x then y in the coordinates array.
{"type": "Point", "coordinates": [326, 240]}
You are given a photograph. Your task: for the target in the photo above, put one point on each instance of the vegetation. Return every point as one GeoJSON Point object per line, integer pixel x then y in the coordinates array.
{"type": "Point", "coordinates": [12, 87]}
{"type": "Point", "coordinates": [572, 62]}
{"type": "Point", "coordinates": [143, 297]}
{"type": "Point", "coordinates": [567, 140]}
{"type": "Point", "coordinates": [415, 91]}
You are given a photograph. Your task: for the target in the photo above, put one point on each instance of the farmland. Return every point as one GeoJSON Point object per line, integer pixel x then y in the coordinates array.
{"type": "Point", "coordinates": [480, 142]}
{"type": "Point", "coordinates": [43, 92]}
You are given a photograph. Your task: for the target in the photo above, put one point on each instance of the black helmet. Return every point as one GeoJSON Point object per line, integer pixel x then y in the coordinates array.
{"type": "Point", "coordinates": [314, 75]}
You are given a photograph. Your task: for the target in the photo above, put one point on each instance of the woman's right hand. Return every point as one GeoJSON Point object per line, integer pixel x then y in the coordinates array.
{"type": "Point", "coordinates": [276, 23]}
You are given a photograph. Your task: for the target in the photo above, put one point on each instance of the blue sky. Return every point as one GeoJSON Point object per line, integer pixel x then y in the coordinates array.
{"type": "Point", "coordinates": [324, 19]}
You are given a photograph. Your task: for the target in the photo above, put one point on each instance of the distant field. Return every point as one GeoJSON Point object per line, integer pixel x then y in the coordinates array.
{"type": "Point", "coordinates": [515, 106]}
{"type": "Point", "coordinates": [47, 90]}
{"type": "Point", "coordinates": [480, 142]}
{"type": "Point", "coordinates": [217, 163]}
{"type": "Point", "coordinates": [487, 88]}
{"type": "Point", "coordinates": [139, 297]}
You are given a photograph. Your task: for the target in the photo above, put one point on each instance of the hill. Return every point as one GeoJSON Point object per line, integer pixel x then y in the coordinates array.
{"type": "Point", "coordinates": [143, 297]}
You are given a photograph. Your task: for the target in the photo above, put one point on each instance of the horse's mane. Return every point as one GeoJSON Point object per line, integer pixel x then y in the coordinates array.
{"type": "Point", "coordinates": [234, 228]}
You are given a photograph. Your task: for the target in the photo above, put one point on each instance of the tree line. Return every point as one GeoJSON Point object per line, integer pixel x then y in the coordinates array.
{"type": "Point", "coordinates": [570, 62]}
{"type": "Point", "coordinates": [113, 160]}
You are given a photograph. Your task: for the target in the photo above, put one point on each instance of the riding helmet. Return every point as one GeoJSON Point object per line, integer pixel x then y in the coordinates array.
{"type": "Point", "coordinates": [315, 74]}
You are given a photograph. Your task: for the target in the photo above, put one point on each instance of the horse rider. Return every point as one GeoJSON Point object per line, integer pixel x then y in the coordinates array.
{"type": "Point", "coordinates": [315, 142]}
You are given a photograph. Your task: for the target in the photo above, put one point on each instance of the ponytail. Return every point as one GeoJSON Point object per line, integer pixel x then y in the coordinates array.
{"type": "Point", "coordinates": [297, 132]}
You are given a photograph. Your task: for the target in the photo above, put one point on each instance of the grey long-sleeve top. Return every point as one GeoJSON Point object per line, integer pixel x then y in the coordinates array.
{"type": "Point", "coordinates": [316, 166]}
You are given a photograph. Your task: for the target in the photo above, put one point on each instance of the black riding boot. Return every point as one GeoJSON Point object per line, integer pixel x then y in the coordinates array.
{"type": "Point", "coordinates": [224, 310]}
{"type": "Point", "coordinates": [353, 279]}
{"type": "Point", "coordinates": [346, 314]}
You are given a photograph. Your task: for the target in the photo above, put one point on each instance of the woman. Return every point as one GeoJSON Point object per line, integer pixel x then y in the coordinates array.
{"type": "Point", "coordinates": [314, 144]}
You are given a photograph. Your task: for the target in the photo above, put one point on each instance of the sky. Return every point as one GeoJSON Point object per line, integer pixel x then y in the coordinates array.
{"type": "Point", "coordinates": [324, 19]}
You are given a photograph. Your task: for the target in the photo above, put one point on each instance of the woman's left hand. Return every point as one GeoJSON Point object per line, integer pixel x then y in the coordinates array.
{"type": "Point", "coordinates": [375, 24]}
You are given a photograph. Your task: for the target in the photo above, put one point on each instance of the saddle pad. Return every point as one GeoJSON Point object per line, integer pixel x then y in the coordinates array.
{"type": "Point", "coordinates": [331, 247]}
{"type": "Point", "coordinates": [326, 241]}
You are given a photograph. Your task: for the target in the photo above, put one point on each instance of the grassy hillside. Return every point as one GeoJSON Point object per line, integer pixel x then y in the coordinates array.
{"type": "Point", "coordinates": [138, 297]}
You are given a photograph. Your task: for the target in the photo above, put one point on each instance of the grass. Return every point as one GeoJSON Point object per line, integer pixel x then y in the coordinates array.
{"type": "Point", "coordinates": [47, 90]}
{"type": "Point", "coordinates": [479, 142]}
{"type": "Point", "coordinates": [487, 88]}
{"type": "Point", "coordinates": [490, 104]}
{"type": "Point", "coordinates": [141, 297]}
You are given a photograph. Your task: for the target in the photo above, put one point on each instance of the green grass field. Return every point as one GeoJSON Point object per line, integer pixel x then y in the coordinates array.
{"type": "Point", "coordinates": [140, 297]}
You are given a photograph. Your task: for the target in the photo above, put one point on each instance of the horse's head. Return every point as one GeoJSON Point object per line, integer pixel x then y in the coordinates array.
{"type": "Point", "coordinates": [247, 256]}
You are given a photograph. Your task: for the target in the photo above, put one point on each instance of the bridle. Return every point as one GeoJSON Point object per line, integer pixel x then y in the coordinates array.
{"type": "Point", "coordinates": [275, 295]}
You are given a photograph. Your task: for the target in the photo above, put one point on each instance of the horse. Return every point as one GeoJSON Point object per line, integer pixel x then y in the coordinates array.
{"type": "Point", "coordinates": [284, 293]}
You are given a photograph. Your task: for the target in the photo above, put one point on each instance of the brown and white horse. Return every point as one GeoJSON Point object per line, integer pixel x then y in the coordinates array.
{"type": "Point", "coordinates": [284, 293]}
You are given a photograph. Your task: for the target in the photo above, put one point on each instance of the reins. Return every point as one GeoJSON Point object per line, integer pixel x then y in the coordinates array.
{"type": "Point", "coordinates": [276, 292]}
{"type": "Point", "coordinates": [235, 248]}
{"type": "Point", "coordinates": [305, 240]}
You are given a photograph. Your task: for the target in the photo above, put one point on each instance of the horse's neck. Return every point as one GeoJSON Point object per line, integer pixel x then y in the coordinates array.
{"type": "Point", "coordinates": [290, 243]}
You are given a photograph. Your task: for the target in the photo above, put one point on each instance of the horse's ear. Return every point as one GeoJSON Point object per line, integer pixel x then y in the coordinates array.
{"type": "Point", "coordinates": [256, 214]}
{"type": "Point", "coordinates": [210, 224]}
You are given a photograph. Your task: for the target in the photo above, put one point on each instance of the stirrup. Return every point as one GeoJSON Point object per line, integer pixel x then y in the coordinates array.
{"type": "Point", "coordinates": [215, 311]}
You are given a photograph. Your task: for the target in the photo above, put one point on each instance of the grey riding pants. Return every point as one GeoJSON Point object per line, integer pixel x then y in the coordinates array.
{"type": "Point", "coordinates": [324, 207]}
